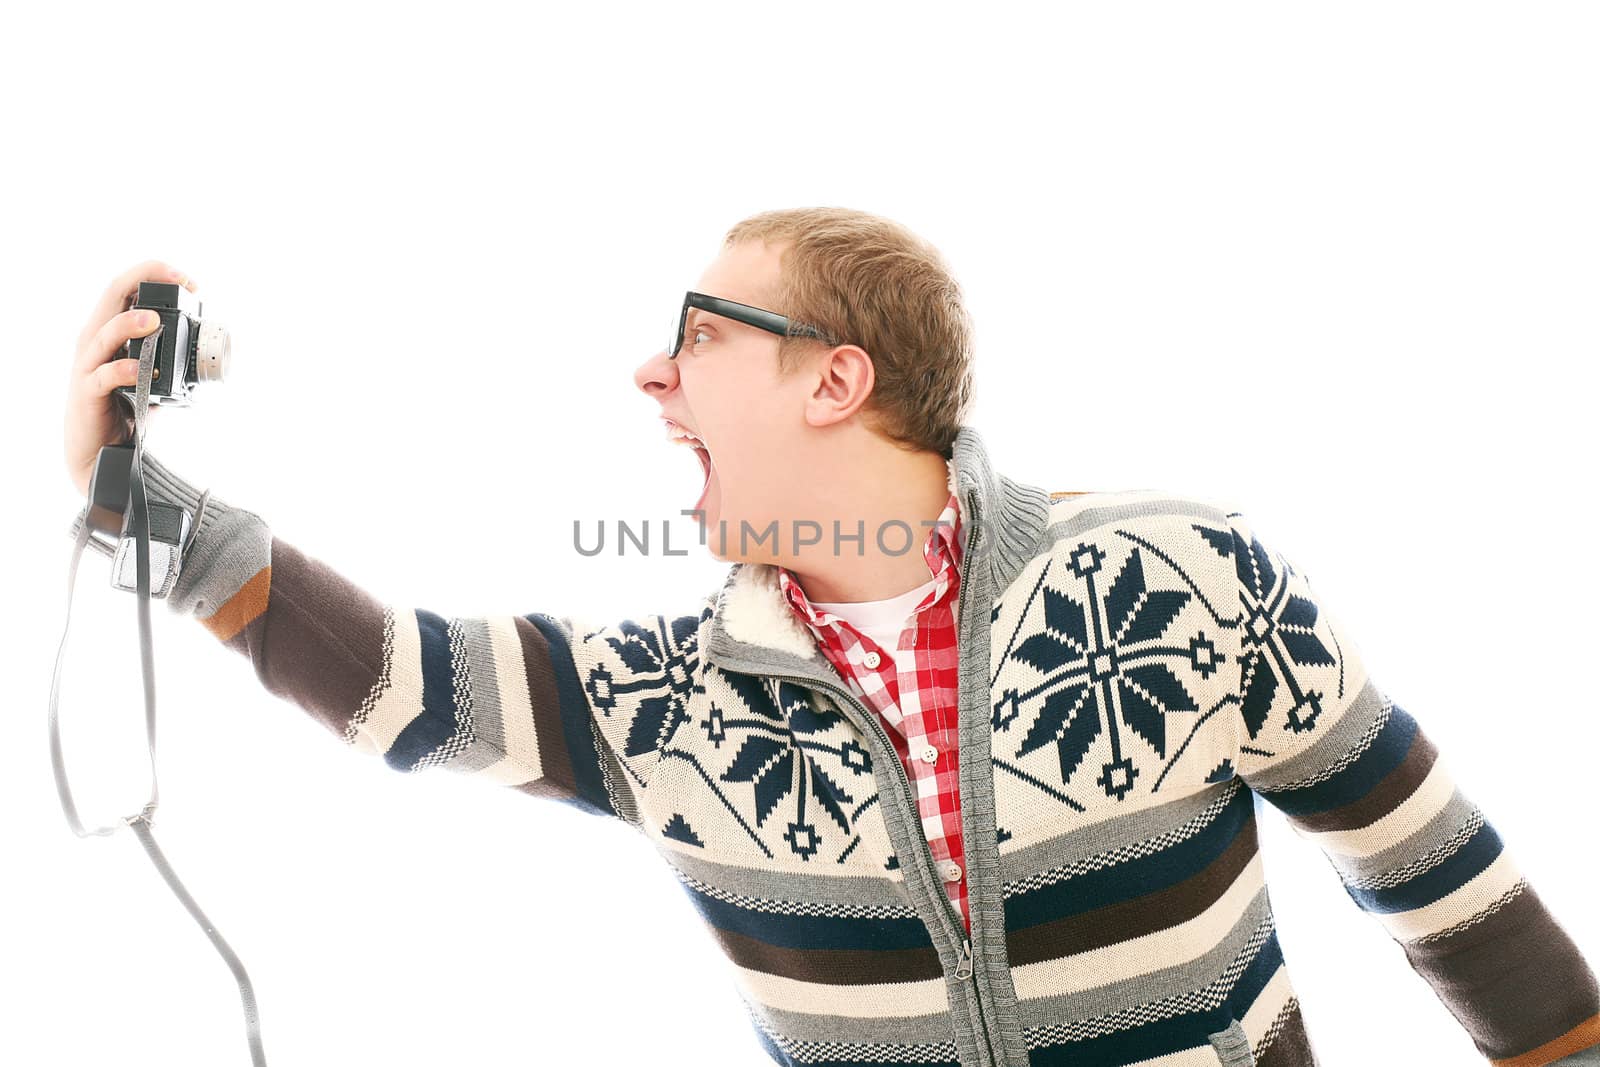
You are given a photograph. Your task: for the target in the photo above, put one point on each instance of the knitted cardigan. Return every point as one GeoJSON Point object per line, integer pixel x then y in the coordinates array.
{"type": "Point", "coordinates": [1137, 668]}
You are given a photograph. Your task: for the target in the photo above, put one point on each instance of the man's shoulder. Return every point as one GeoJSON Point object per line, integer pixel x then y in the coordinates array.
{"type": "Point", "coordinates": [1089, 509]}
{"type": "Point", "coordinates": [1178, 531]}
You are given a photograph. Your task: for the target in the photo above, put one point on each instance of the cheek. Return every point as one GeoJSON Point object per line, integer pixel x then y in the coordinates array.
{"type": "Point", "coordinates": [732, 410]}
{"type": "Point", "coordinates": [758, 417]}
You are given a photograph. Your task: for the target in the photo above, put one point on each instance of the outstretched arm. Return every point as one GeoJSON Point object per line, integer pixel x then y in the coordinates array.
{"type": "Point", "coordinates": [1354, 772]}
{"type": "Point", "coordinates": [550, 706]}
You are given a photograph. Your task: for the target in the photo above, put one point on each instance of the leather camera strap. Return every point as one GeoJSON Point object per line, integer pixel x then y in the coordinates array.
{"type": "Point", "coordinates": [141, 823]}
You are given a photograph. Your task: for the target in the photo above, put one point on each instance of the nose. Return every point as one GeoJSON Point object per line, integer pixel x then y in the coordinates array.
{"type": "Point", "coordinates": [656, 375]}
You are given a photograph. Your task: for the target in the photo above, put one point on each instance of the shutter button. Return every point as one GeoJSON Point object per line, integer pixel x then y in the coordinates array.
{"type": "Point", "coordinates": [929, 754]}
{"type": "Point", "coordinates": [872, 659]}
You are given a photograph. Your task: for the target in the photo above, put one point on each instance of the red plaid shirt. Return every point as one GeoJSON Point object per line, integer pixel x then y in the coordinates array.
{"type": "Point", "coordinates": [925, 693]}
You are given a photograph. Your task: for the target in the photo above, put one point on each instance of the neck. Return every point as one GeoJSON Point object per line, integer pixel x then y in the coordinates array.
{"type": "Point", "coordinates": [881, 485]}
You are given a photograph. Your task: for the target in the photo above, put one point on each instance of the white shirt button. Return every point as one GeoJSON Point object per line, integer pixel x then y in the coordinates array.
{"type": "Point", "coordinates": [929, 754]}
{"type": "Point", "coordinates": [872, 659]}
{"type": "Point", "coordinates": [952, 873]}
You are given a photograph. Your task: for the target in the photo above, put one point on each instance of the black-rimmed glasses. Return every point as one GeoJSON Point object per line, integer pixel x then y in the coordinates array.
{"type": "Point", "coordinates": [760, 318]}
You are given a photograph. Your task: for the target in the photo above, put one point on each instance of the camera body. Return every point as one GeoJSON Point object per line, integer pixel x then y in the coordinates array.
{"type": "Point", "coordinates": [188, 350]}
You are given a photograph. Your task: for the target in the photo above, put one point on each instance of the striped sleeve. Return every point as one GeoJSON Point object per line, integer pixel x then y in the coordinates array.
{"type": "Point", "coordinates": [1354, 773]}
{"type": "Point", "coordinates": [547, 705]}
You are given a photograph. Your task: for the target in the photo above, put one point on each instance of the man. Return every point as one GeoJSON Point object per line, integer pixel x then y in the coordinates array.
{"type": "Point", "coordinates": [958, 770]}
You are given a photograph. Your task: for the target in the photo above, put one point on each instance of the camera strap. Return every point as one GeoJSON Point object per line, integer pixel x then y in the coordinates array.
{"type": "Point", "coordinates": [141, 823]}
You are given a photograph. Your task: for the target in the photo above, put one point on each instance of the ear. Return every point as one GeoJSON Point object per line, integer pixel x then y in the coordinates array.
{"type": "Point", "coordinates": [844, 378]}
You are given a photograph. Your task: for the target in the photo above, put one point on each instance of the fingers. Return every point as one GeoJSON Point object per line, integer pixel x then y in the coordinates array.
{"type": "Point", "coordinates": [115, 298]}
{"type": "Point", "coordinates": [113, 375]}
{"type": "Point", "coordinates": [108, 340]}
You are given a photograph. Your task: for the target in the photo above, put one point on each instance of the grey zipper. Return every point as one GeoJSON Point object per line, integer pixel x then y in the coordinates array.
{"type": "Point", "coordinates": [976, 527]}
{"type": "Point", "coordinates": [925, 855]}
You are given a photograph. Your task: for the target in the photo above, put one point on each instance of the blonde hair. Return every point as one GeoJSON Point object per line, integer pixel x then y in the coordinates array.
{"type": "Point", "coordinates": [868, 281]}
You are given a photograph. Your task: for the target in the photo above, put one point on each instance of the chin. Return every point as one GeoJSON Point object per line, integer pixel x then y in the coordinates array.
{"type": "Point", "coordinates": [713, 525]}
{"type": "Point", "coordinates": [719, 528]}
{"type": "Point", "coordinates": [708, 535]}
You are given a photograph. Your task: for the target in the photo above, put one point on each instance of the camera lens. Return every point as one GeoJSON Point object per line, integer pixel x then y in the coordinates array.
{"type": "Point", "coordinates": [212, 351]}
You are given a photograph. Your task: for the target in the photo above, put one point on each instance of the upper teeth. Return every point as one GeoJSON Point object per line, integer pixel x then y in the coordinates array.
{"type": "Point", "coordinates": [678, 433]}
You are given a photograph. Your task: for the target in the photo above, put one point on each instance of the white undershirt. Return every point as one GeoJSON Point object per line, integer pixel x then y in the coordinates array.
{"type": "Point", "coordinates": [883, 621]}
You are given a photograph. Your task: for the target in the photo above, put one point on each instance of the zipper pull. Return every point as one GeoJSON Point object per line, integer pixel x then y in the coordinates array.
{"type": "Point", "coordinates": [964, 968]}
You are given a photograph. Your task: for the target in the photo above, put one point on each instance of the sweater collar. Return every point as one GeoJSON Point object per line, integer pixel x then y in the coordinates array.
{"type": "Point", "coordinates": [753, 629]}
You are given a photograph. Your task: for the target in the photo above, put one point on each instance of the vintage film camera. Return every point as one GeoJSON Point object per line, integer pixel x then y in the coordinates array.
{"type": "Point", "coordinates": [189, 350]}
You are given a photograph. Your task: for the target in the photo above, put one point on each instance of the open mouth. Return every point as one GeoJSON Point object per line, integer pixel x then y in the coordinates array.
{"type": "Point", "coordinates": [678, 434]}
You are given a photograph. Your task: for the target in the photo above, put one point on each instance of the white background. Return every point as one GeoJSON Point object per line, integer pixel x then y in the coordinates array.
{"type": "Point", "coordinates": [1334, 266]}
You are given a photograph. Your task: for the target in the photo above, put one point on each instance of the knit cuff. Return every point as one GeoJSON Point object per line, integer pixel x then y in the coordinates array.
{"type": "Point", "coordinates": [230, 547]}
